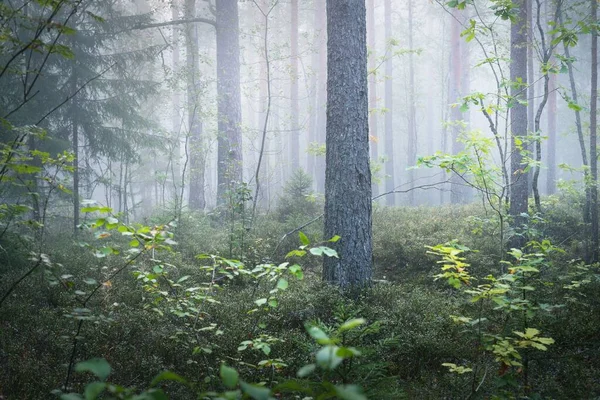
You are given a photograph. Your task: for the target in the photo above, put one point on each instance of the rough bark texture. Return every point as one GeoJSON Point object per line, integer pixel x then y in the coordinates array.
{"type": "Point", "coordinates": [229, 104]}
{"type": "Point", "coordinates": [518, 122]}
{"type": "Point", "coordinates": [196, 156]}
{"type": "Point", "coordinates": [389, 106]}
{"type": "Point", "coordinates": [593, 136]}
{"type": "Point", "coordinates": [348, 176]}
{"type": "Point", "coordinates": [294, 107]}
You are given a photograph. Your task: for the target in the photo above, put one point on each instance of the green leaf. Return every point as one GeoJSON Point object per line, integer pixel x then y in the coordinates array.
{"type": "Point", "coordinates": [97, 366]}
{"type": "Point", "coordinates": [282, 284]}
{"type": "Point", "coordinates": [327, 357]}
{"type": "Point", "coordinates": [229, 376]}
{"type": "Point", "coordinates": [334, 239]}
{"type": "Point", "coordinates": [349, 392]}
{"type": "Point", "coordinates": [260, 302]}
{"type": "Point", "coordinates": [317, 334]}
{"type": "Point", "coordinates": [306, 370]}
{"type": "Point", "coordinates": [71, 396]}
{"type": "Point", "coordinates": [167, 376]}
{"type": "Point", "coordinates": [351, 324]}
{"type": "Point", "coordinates": [93, 390]}
{"type": "Point", "coordinates": [256, 392]}
{"type": "Point", "coordinates": [134, 243]}
{"type": "Point", "coordinates": [316, 251]}
{"type": "Point", "coordinates": [273, 302]}
{"type": "Point", "coordinates": [304, 238]}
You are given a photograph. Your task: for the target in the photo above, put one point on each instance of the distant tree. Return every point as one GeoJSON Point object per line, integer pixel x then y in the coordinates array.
{"type": "Point", "coordinates": [229, 103]}
{"type": "Point", "coordinates": [412, 109]}
{"type": "Point", "coordinates": [518, 122]}
{"type": "Point", "coordinates": [372, 56]}
{"type": "Point", "coordinates": [348, 175]}
{"type": "Point", "coordinates": [389, 106]}
{"type": "Point", "coordinates": [197, 200]}
{"type": "Point", "coordinates": [294, 143]}
{"type": "Point", "coordinates": [594, 133]}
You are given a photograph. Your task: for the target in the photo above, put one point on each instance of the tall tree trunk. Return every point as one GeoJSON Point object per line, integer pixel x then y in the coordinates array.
{"type": "Point", "coordinates": [579, 126]}
{"type": "Point", "coordinates": [348, 176]}
{"type": "Point", "coordinates": [457, 184]}
{"type": "Point", "coordinates": [389, 107]}
{"type": "Point", "coordinates": [530, 78]}
{"type": "Point", "coordinates": [551, 149]}
{"type": "Point", "coordinates": [593, 133]}
{"type": "Point", "coordinates": [229, 162]}
{"type": "Point", "coordinates": [197, 199]}
{"type": "Point", "coordinates": [321, 23]}
{"type": "Point", "coordinates": [75, 136]}
{"type": "Point", "coordinates": [176, 116]}
{"type": "Point", "coordinates": [294, 149]}
{"type": "Point", "coordinates": [372, 88]}
{"type": "Point", "coordinates": [412, 111]}
{"type": "Point", "coordinates": [518, 123]}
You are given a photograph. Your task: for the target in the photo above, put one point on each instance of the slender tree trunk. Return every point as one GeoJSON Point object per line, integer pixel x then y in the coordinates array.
{"type": "Point", "coordinates": [229, 162]}
{"type": "Point", "coordinates": [348, 176]}
{"type": "Point", "coordinates": [518, 122]}
{"type": "Point", "coordinates": [372, 88]}
{"type": "Point", "coordinates": [196, 200]}
{"type": "Point", "coordinates": [75, 136]}
{"type": "Point", "coordinates": [412, 111]}
{"type": "Point", "coordinates": [321, 91]}
{"type": "Point", "coordinates": [551, 149]}
{"type": "Point", "coordinates": [294, 149]}
{"type": "Point", "coordinates": [457, 188]}
{"type": "Point", "coordinates": [579, 126]}
{"type": "Point", "coordinates": [389, 106]}
{"type": "Point", "coordinates": [530, 78]}
{"type": "Point", "coordinates": [593, 134]}
{"type": "Point", "coordinates": [176, 117]}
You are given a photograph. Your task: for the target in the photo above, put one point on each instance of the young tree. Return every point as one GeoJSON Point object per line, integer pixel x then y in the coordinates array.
{"type": "Point", "coordinates": [518, 121]}
{"type": "Point", "coordinates": [348, 175]}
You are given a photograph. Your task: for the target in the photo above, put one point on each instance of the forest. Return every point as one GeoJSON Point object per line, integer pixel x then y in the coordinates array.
{"type": "Point", "coordinates": [299, 199]}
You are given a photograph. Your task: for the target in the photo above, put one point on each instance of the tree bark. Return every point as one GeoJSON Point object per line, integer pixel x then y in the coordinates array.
{"type": "Point", "coordinates": [518, 122]}
{"type": "Point", "coordinates": [348, 175]}
{"type": "Point", "coordinates": [551, 149]}
{"type": "Point", "coordinates": [197, 199]}
{"type": "Point", "coordinates": [229, 155]}
{"type": "Point", "coordinates": [321, 25]}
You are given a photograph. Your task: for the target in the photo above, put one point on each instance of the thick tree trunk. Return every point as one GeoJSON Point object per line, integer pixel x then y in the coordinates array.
{"type": "Point", "coordinates": [412, 111]}
{"type": "Point", "coordinates": [197, 199]}
{"type": "Point", "coordinates": [389, 106]}
{"type": "Point", "coordinates": [518, 122]}
{"type": "Point", "coordinates": [372, 87]}
{"type": "Point", "coordinates": [294, 142]}
{"type": "Point", "coordinates": [593, 135]}
{"type": "Point", "coordinates": [348, 176]}
{"type": "Point", "coordinates": [229, 161]}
